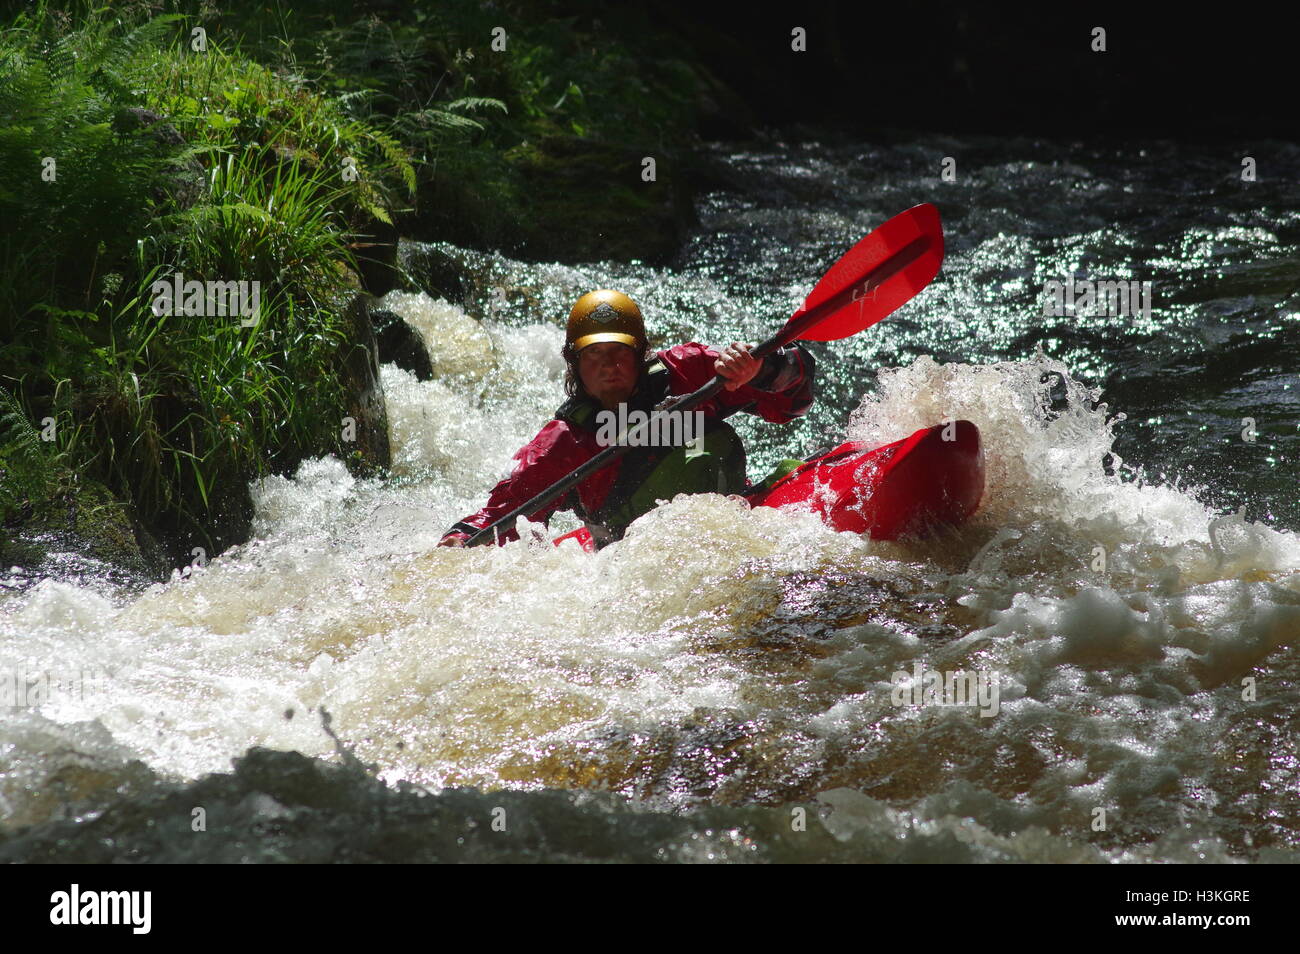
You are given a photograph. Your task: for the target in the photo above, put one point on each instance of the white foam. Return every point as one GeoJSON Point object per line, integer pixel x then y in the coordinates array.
{"type": "Point", "coordinates": [530, 665]}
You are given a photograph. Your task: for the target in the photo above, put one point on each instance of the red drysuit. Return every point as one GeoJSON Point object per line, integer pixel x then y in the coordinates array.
{"type": "Point", "coordinates": [780, 392]}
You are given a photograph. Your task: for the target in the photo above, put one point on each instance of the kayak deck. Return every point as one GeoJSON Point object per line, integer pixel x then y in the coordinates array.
{"type": "Point", "coordinates": [911, 487]}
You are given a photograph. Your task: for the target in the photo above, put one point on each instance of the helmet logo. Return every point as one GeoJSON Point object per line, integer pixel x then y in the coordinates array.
{"type": "Point", "coordinates": [604, 313]}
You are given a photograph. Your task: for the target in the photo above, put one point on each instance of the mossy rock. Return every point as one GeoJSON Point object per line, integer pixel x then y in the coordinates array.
{"type": "Point", "coordinates": [589, 202]}
{"type": "Point", "coordinates": [564, 199]}
{"type": "Point", "coordinates": [83, 531]}
{"type": "Point", "coordinates": [363, 390]}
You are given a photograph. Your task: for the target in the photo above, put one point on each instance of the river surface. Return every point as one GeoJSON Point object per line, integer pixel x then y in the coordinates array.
{"type": "Point", "coordinates": [1131, 584]}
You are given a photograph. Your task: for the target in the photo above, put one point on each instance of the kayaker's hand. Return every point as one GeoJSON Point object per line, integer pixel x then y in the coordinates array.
{"type": "Point", "coordinates": [453, 540]}
{"type": "Point", "coordinates": [737, 365]}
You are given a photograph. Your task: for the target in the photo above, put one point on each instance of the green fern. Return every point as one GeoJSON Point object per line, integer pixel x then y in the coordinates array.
{"type": "Point", "coordinates": [397, 156]}
{"type": "Point", "coordinates": [26, 463]}
{"type": "Point", "coordinates": [117, 60]}
{"type": "Point", "coordinates": [356, 96]}
{"type": "Point", "coordinates": [468, 103]}
{"type": "Point", "coordinates": [425, 119]}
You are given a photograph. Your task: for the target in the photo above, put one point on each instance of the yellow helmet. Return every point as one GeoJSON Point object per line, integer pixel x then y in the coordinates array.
{"type": "Point", "coordinates": [605, 315]}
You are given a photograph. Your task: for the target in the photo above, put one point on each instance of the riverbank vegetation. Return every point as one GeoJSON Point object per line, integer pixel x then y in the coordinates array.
{"type": "Point", "coordinates": [286, 147]}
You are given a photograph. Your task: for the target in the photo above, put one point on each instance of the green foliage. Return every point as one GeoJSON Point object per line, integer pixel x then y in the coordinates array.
{"type": "Point", "coordinates": [173, 412]}
{"type": "Point", "coordinates": [228, 102]}
{"type": "Point", "coordinates": [27, 468]}
{"type": "Point", "coordinates": [299, 129]}
{"type": "Point", "coordinates": [60, 102]}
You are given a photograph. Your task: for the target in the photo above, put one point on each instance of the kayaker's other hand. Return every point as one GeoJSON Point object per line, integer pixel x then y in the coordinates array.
{"type": "Point", "coordinates": [737, 365]}
{"type": "Point", "coordinates": [453, 540]}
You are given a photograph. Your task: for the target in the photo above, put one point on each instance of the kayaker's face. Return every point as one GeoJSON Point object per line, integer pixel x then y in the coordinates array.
{"type": "Point", "coordinates": [608, 371]}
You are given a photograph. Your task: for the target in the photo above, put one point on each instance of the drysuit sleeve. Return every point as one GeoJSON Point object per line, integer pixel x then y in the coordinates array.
{"type": "Point", "coordinates": [781, 391]}
{"type": "Point", "coordinates": [784, 385]}
{"type": "Point", "coordinates": [548, 457]}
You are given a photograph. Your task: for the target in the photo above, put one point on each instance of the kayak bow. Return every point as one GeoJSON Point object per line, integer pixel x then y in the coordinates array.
{"type": "Point", "coordinates": [912, 487]}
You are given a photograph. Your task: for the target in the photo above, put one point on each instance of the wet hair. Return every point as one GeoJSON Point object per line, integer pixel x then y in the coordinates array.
{"type": "Point", "coordinates": [573, 386]}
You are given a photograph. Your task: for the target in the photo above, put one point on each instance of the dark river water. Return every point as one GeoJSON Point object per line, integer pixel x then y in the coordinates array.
{"type": "Point", "coordinates": [721, 685]}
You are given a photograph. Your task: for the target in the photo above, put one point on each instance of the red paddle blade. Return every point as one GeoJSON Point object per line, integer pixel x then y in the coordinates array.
{"type": "Point", "coordinates": [874, 278]}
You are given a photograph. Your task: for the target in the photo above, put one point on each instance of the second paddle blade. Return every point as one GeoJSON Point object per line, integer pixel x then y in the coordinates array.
{"type": "Point", "coordinates": [867, 279]}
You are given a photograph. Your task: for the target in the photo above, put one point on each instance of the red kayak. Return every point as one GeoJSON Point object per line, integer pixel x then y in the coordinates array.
{"type": "Point", "coordinates": [910, 487]}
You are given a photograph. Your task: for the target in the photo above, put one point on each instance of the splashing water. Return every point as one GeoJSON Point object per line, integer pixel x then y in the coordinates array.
{"type": "Point", "coordinates": [1143, 646]}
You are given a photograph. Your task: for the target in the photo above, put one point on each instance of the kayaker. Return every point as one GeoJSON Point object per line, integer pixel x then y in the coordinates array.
{"type": "Point", "coordinates": [605, 351]}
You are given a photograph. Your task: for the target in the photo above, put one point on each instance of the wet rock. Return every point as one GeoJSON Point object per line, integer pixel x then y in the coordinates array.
{"type": "Point", "coordinates": [563, 199]}
{"type": "Point", "coordinates": [435, 270]}
{"type": "Point", "coordinates": [400, 344]}
{"type": "Point", "coordinates": [458, 346]}
{"type": "Point", "coordinates": [377, 257]}
{"type": "Point", "coordinates": [284, 807]}
{"type": "Point", "coordinates": [364, 392]}
{"type": "Point", "coordinates": [587, 201]}
{"type": "Point", "coordinates": [84, 535]}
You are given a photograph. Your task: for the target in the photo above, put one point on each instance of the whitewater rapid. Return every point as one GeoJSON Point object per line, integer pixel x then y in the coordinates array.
{"type": "Point", "coordinates": [717, 655]}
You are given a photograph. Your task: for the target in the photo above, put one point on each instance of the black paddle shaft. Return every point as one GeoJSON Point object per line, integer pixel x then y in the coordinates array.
{"type": "Point", "coordinates": [612, 452]}
{"type": "Point", "coordinates": [791, 331]}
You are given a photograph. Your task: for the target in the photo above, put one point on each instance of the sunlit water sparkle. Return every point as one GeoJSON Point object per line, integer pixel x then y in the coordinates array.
{"type": "Point", "coordinates": [726, 658]}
